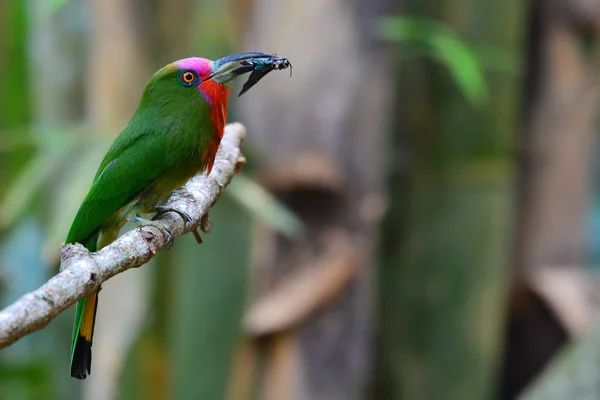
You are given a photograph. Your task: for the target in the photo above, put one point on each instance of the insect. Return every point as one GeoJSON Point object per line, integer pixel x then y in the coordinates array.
{"type": "Point", "coordinates": [261, 66]}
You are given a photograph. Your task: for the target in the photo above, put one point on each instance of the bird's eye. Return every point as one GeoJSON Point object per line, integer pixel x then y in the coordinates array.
{"type": "Point", "coordinates": [188, 78]}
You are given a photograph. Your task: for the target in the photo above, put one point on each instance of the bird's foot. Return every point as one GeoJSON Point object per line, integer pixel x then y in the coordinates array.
{"type": "Point", "coordinates": [162, 209]}
{"type": "Point", "coordinates": [158, 225]}
{"type": "Point", "coordinates": [205, 223]}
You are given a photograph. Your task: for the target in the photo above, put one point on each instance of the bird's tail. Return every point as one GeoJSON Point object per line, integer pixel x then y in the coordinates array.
{"type": "Point", "coordinates": [85, 314]}
{"type": "Point", "coordinates": [83, 331]}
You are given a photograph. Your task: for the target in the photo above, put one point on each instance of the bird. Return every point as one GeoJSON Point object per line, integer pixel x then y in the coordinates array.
{"type": "Point", "coordinates": [173, 135]}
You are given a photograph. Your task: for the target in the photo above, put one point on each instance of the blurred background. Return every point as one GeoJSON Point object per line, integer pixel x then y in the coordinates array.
{"type": "Point", "coordinates": [418, 218]}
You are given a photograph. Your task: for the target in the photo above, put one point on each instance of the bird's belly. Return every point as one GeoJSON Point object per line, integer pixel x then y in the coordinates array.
{"type": "Point", "coordinates": [158, 191]}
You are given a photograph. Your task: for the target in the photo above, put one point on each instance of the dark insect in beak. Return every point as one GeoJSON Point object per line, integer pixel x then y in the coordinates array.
{"type": "Point", "coordinates": [253, 79]}
{"type": "Point", "coordinates": [261, 66]}
{"type": "Point", "coordinates": [228, 68]}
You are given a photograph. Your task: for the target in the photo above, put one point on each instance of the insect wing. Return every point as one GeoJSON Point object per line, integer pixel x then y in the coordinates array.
{"type": "Point", "coordinates": [253, 79]}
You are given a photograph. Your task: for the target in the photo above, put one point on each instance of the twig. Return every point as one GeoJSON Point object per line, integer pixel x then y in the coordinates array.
{"type": "Point", "coordinates": [83, 272]}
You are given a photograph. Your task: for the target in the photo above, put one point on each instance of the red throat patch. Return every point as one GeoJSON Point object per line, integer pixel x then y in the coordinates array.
{"type": "Point", "coordinates": [217, 96]}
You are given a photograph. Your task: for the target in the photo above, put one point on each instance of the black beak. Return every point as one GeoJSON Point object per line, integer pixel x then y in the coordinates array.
{"type": "Point", "coordinates": [226, 69]}
{"type": "Point", "coordinates": [230, 67]}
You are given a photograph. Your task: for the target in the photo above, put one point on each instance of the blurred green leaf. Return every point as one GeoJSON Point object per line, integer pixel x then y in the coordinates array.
{"type": "Point", "coordinates": [55, 6]}
{"type": "Point", "coordinates": [443, 45]}
{"type": "Point", "coordinates": [196, 306]}
{"type": "Point", "coordinates": [262, 205]}
{"type": "Point", "coordinates": [28, 184]}
{"type": "Point", "coordinates": [14, 93]}
{"type": "Point", "coordinates": [493, 58]}
{"type": "Point", "coordinates": [45, 137]}
{"type": "Point", "coordinates": [68, 193]}
{"type": "Point", "coordinates": [30, 379]}
{"type": "Point", "coordinates": [209, 293]}
{"type": "Point", "coordinates": [66, 159]}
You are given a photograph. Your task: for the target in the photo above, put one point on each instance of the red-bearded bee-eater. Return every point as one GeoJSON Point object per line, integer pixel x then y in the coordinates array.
{"type": "Point", "coordinates": [173, 135]}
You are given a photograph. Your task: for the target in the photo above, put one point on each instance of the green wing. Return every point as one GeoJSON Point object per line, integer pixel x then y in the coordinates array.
{"type": "Point", "coordinates": [133, 162]}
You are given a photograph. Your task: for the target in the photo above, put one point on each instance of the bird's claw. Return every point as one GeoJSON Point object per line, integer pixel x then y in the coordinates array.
{"type": "Point", "coordinates": [162, 209]}
{"type": "Point", "coordinates": [158, 225]}
{"type": "Point", "coordinates": [205, 224]}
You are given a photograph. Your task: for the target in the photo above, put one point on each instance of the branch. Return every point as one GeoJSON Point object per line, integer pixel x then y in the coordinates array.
{"type": "Point", "coordinates": [83, 272]}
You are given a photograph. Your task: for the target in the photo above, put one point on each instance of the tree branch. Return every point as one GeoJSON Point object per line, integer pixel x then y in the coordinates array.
{"type": "Point", "coordinates": [83, 272]}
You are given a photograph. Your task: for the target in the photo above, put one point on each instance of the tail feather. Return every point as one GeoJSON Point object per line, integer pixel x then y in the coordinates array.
{"type": "Point", "coordinates": [83, 332]}
{"type": "Point", "coordinates": [85, 313]}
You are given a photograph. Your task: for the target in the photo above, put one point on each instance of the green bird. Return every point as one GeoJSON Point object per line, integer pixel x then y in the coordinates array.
{"type": "Point", "coordinates": [173, 135]}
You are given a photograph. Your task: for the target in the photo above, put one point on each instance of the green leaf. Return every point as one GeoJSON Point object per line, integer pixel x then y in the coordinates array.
{"type": "Point", "coordinates": [31, 379]}
{"type": "Point", "coordinates": [207, 307]}
{"type": "Point", "coordinates": [264, 206]}
{"type": "Point", "coordinates": [493, 58]}
{"type": "Point", "coordinates": [69, 191]}
{"type": "Point", "coordinates": [27, 185]}
{"type": "Point", "coordinates": [444, 46]}
{"type": "Point", "coordinates": [55, 6]}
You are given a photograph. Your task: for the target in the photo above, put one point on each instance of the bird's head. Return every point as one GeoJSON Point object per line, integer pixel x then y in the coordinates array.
{"type": "Point", "coordinates": [212, 79]}
{"type": "Point", "coordinates": [193, 87]}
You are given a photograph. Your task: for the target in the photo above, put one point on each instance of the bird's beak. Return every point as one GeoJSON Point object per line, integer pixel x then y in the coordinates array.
{"type": "Point", "coordinates": [226, 69]}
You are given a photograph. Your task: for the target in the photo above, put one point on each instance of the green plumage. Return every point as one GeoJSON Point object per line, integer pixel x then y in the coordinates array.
{"type": "Point", "coordinates": [173, 135]}
{"type": "Point", "coordinates": [161, 148]}
{"type": "Point", "coordinates": [167, 141]}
